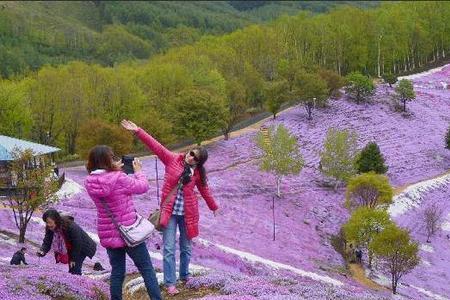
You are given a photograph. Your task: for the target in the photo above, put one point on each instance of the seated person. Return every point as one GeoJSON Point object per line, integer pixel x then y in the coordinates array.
{"type": "Point", "coordinates": [19, 257]}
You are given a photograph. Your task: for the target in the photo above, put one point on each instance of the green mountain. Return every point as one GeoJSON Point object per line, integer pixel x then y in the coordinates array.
{"type": "Point", "coordinates": [53, 32]}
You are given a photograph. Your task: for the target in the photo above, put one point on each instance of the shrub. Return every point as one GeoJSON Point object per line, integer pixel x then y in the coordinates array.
{"type": "Point", "coordinates": [368, 189]}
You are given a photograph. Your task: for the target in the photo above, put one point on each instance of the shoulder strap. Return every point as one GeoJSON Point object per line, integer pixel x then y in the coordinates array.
{"type": "Point", "coordinates": [102, 200]}
{"type": "Point", "coordinates": [171, 193]}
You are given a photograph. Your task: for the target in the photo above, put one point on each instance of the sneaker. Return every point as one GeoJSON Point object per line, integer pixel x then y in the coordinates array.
{"type": "Point", "coordinates": [172, 290]}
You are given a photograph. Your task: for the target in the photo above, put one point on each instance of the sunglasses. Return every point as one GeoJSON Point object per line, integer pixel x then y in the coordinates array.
{"type": "Point", "coordinates": [192, 153]}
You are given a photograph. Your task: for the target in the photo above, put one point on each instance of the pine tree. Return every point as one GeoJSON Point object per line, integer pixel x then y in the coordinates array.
{"type": "Point", "coordinates": [371, 159]}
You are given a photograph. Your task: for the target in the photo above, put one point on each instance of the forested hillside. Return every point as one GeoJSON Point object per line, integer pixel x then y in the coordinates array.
{"type": "Point", "coordinates": [218, 80]}
{"type": "Point", "coordinates": [106, 32]}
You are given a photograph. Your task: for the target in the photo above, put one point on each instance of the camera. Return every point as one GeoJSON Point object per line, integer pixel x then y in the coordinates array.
{"type": "Point", "coordinates": [127, 167]}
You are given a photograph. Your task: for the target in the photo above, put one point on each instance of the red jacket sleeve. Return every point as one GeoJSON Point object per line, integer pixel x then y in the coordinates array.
{"type": "Point", "coordinates": [164, 154]}
{"type": "Point", "coordinates": [206, 194]}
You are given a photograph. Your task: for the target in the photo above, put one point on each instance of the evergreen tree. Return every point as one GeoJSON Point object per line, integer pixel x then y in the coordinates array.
{"type": "Point", "coordinates": [371, 159]}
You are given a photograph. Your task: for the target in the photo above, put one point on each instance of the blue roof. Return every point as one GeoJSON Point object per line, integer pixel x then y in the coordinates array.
{"type": "Point", "coordinates": [8, 144]}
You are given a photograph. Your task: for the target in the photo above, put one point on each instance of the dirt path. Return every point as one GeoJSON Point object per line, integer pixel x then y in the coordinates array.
{"type": "Point", "coordinates": [359, 275]}
{"type": "Point", "coordinates": [356, 270]}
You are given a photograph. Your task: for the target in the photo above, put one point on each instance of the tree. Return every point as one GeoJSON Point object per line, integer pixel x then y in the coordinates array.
{"type": "Point", "coordinates": [311, 91]}
{"type": "Point", "coordinates": [432, 217]}
{"type": "Point", "coordinates": [15, 113]}
{"type": "Point", "coordinates": [97, 132]}
{"type": "Point", "coordinates": [275, 95]}
{"type": "Point", "coordinates": [198, 114]}
{"type": "Point", "coordinates": [390, 79]}
{"type": "Point", "coordinates": [447, 139]}
{"type": "Point", "coordinates": [334, 82]}
{"type": "Point", "coordinates": [364, 224]}
{"type": "Point", "coordinates": [235, 105]}
{"type": "Point", "coordinates": [281, 155]}
{"type": "Point", "coordinates": [371, 159]}
{"type": "Point", "coordinates": [359, 86]}
{"type": "Point", "coordinates": [398, 254]}
{"type": "Point", "coordinates": [33, 186]}
{"type": "Point", "coordinates": [405, 91]}
{"type": "Point", "coordinates": [337, 160]}
{"type": "Point", "coordinates": [368, 189]}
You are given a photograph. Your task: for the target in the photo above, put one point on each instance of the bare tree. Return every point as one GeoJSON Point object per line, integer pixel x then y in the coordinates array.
{"type": "Point", "coordinates": [432, 216]}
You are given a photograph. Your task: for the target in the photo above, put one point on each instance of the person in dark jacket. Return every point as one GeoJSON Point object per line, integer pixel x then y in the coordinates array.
{"type": "Point", "coordinates": [19, 257]}
{"type": "Point", "coordinates": [68, 240]}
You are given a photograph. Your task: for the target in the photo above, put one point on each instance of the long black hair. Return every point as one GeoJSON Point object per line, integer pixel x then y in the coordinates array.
{"type": "Point", "coordinates": [62, 222]}
{"type": "Point", "coordinates": [202, 158]}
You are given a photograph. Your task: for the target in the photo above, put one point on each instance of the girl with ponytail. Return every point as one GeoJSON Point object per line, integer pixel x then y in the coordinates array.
{"type": "Point", "coordinates": [179, 205]}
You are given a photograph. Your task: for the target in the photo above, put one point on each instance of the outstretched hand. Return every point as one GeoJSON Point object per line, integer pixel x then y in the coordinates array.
{"type": "Point", "coordinates": [128, 125]}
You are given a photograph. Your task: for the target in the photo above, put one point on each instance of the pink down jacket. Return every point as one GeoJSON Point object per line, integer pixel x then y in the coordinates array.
{"type": "Point", "coordinates": [116, 188]}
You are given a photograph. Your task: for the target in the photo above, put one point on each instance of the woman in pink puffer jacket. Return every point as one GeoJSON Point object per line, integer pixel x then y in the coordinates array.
{"type": "Point", "coordinates": [106, 182]}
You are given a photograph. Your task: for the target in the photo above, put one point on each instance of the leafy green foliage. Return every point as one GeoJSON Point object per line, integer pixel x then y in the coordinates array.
{"type": "Point", "coordinates": [337, 160]}
{"type": "Point", "coordinates": [371, 159]}
{"type": "Point", "coordinates": [368, 189]}
{"type": "Point", "coordinates": [364, 224]}
{"type": "Point", "coordinates": [34, 187]}
{"type": "Point", "coordinates": [399, 255]}
{"type": "Point", "coordinates": [198, 114]}
{"type": "Point", "coordinates": [360, 87]}
{"type": "Point", "coordinates": [15, 114]}
{"type": "Point", "coordinates": [390, 78]}
{"type": "Point", "coordinates": [97, 132]}
{"type": "Point", "coordinates": [275, 94]}
{"type": "Point", "coordinates": [405, 91]}
{"type": "Point", "coordinates": [281, 154]}
{"type": "Point", "coordinates": [311, 91]}
{"type": "Point", "coordinates": [236, 67]}
{"type": "Point", "coordinates": [334, 82]}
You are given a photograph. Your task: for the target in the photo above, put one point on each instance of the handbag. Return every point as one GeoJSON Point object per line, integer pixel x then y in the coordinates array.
{"type": "Point", "coordinates": [135, 233]}
{"type": "Point", "coordinates": [155, 216]}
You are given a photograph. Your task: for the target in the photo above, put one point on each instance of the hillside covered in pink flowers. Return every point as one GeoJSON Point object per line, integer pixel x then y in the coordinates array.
{"type": "Point", "coordinates": [235, 255]}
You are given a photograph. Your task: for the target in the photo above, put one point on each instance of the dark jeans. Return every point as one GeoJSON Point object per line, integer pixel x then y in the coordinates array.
{"type": "Point", "coordinates": [141, 259]}
{"type": "Point", "coordinates": [76, 270]}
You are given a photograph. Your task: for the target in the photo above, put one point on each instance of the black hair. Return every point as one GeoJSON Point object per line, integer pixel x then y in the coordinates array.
{"type": "Point", "coordinates": [23, 248]}
{"type": "Point", "coordinates": [202, 158]}
{"type": "Point", "coordinates": [60, 221]}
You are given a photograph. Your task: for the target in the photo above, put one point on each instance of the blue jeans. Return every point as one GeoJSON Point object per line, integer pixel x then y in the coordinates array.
{"type": "Point", "coordinates": [169, 238]}
{"type": "Point", "coordinates": [141, 259]}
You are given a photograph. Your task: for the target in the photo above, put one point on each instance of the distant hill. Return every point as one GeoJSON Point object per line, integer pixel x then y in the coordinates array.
{"type": "Point", "coordinates": [52, 32]}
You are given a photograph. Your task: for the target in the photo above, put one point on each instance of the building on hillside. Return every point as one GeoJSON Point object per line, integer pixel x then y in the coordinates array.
{"type": "Point", "coordinates": [42, 154]}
